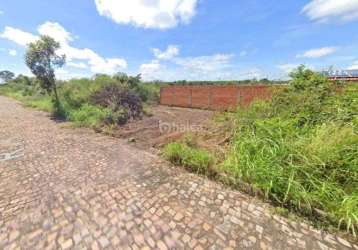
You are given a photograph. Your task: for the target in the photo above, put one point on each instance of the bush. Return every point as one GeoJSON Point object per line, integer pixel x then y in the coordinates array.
{"type": "Point", "coordinates": [120, 100]}
{"type": "Point", "coordinates": [77, 92]}
{"type": "Point", "coordinates": [119, 117]}
{"type": "Point", "coordinates": [88, 116]}
{"type": "Point", "coordinates": [301, 149]}
{"type": "Point", "coordinates": [149, 92]}
{"type": "Point", "coordinates": [194, 159]}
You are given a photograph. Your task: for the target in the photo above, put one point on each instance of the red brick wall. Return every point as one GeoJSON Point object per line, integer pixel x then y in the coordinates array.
{"type": "Point", "coordinates": [213, 97]}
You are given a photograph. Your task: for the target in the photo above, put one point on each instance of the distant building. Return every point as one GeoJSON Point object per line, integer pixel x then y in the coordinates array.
{"type": "Point", "coordinates": [341, 75]}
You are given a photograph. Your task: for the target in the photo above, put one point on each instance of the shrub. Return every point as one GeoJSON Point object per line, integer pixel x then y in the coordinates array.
{"type": "Point", "coordinates": [149, 92]}
{"type": "Point", "coordinates": [88, 116]}
{"type": "Point", "coordinates": [119, 99]}
{"type": "Point", "coordinates": [131, 82]}
{"type": "Point", "coordinates": [119, 117]}
{"type": "Point", "coordinates": [77, 92]}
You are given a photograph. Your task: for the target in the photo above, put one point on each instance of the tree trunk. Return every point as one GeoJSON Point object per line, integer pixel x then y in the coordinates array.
{"type": "Point", "coordinates": [56, 95]}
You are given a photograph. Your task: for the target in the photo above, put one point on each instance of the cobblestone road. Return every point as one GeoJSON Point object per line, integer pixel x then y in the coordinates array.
{"type": "Point", "coordinates": [73, 189]}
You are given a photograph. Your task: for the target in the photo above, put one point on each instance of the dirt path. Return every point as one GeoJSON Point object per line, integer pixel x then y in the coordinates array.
{"type": "Point", "coordinates": [73, 189]}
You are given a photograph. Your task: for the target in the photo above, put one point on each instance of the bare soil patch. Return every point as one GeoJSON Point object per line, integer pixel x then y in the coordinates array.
{"type": "Point", "coordinates": [165, 124]}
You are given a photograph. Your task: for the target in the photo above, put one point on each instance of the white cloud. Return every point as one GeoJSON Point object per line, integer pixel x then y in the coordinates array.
{"type": "Point", "coordinates": [79, 65]}
{"type": "Point", "coordinates": [317, 53]}
{"type": "Point", "coordinates": [64, 74]}
{"type": "Point", "coordinates": [322, 10]}
{"type": "Point", "coordinates": [168, 54]}
{"type": "Point", "coordinates": [150, 70]}
{"type": "Point", "coordinates": [1, 12]}
{"type": "Point", "coordinates": [161, 14]}
{"type": "Point", "coordinates": [56, 31]}
{"type": "Point", "coordinates": [212, 67]}
{"type": "Point", "coordinates": [166, 73]}
{"type": "Point", "coordinates": [153, 70]}
{"type": "Point", "coordinates": [18, 36]}
{"type": "Point", "coordinates": [97, 63]}
{"type": "Point", "coordinates": [150, 67]}
{"type": "Point", "coordinates": [107, 66]}
{"type": "Point", "coordinates": [205, 63]}
{"type": "Point", "coordinates": [287, 68]}
{"type": "Point", "coordinates": [354, 66]}
{"type": "Point", "coordinates": [12, 52]}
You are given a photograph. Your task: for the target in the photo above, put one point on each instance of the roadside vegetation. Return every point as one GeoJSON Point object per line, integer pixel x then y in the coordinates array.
{"type": "Point", "coordinates": [191, 157]}
{"type": "Point", "coordinates": [300, 151]}
{"type": "Point", "coordinates": [96, 102]}
{"type": "Point", "coordinates": [100, 102]}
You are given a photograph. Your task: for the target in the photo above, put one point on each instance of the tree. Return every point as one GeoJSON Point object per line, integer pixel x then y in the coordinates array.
{"type": "Point", "coordinates": [42, 60]}
{"type": "Point", "coordinates": [131, 81]}
{"type": "Point", "coordinates": [6, 75]}
{"type": "Point", "coordinates": [25, 80]}
{"type": "Point", "coordinates": [306, 79]}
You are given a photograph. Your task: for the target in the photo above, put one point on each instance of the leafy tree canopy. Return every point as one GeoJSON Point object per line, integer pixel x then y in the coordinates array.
{"type": "Point", "coordinates": [306, 79]}
{"type": "Point", "coordinates": [42, 60]}
{"type": "Point", "coordinates": [131, 81]}
{"type": "Point", "coordinates": [6, 75]}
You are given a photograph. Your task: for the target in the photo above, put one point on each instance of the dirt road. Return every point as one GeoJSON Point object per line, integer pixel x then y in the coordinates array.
{"type": "Point", "coordinates": [74, 189]}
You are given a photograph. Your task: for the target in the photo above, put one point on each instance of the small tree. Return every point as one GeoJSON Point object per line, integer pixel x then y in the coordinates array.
{"type": "Point", "coordinates": [306, 79]}
{"type": "Point", "coordinates": [130, 81]}
{"type": "Point", "coordinates": [42, 60]}
{"type": "Point", "coordinates": [6, 75]}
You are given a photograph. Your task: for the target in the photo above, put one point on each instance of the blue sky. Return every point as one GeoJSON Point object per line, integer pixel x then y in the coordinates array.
{"type": "Point", "coordinates": [184, 39]}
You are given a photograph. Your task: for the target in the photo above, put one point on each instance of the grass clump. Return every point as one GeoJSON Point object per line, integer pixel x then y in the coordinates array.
{"type": "Point", "coordinates": [44, 104]}
{"type": "Point", "coordinates": [88, 116]}
{"type": "Point", "coordinates": [192, 158]}
{"type": "Point", "coordinates": [301, 149]}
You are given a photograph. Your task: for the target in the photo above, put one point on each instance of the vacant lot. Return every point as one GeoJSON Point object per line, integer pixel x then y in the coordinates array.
{"type": "Point", "coordinates": [164, 125]}
{"type": "Point", "coordinates": [74, 189]}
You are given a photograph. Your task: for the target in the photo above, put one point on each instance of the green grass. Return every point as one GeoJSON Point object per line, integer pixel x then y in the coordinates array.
{"type": "Point", "coordinates": [194, 159]}
{"type": "Point", "coordinates": [302, 153]}
{"type": "Point", "coordinates": [44, 104]}
{"type": "Point", "coordinates": [88, 116]}
{"type": "Point", "coordinates": [40, 102]}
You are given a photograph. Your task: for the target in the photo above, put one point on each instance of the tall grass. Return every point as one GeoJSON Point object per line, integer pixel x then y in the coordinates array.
{"type": "Point", "coordinates": [301, 149]}
{"type": "Point", "coordinates": [194, 159]}
{"type": "Point", "coordinates": [88, 116]}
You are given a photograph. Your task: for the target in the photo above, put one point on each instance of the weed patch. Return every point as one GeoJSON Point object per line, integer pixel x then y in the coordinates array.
{"type": "Point", "coordinates": [301, 149]}
{"type": "Point", "coordinates": [194, 159]}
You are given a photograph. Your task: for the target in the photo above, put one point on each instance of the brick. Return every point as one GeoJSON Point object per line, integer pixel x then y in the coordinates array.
{"type": "Point", "coordinates": [213, 97]}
